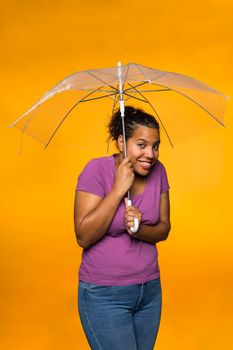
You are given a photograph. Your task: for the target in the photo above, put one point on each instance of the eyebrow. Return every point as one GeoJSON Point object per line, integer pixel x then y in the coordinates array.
{"type": "Point", "coordinates": [157, 142]}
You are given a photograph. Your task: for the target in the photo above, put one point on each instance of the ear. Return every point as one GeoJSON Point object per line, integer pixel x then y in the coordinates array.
{"type": "Point", "coordinates": [120, 143]}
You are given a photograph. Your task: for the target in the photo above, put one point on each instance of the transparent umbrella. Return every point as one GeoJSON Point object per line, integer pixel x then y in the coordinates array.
{"type": "Point", "coordinates": [182, 105]}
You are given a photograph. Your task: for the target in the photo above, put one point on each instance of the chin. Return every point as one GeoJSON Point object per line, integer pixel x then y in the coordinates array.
{"type": "Point", "coordinates": [141, 172]}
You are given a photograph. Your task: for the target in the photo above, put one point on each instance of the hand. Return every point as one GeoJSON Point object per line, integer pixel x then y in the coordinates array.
{"type": "Point", "coordinates": [131, 212]}
{"type": "Point", "coordinates": [124, 176]}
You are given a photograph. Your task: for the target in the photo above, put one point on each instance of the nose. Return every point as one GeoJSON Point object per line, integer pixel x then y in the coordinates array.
{"type": "Point", "coordinates": [150, 153]}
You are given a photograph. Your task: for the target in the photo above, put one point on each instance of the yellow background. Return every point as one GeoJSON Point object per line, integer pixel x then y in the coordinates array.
{"type": "Point", "coordinates": [41, 43]}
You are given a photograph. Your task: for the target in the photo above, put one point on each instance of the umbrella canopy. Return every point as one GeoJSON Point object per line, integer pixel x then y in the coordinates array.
{"type": "Point", "coordinates": [182, 105]}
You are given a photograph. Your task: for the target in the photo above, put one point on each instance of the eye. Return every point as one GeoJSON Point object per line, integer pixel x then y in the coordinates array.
{"type": "Point", "coordinates": [141, 145]}
{"type": "Point", "coordinates": [156, 147]}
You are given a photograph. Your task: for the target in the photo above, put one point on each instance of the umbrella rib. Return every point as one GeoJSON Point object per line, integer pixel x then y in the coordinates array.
{"type": "Point", "coordinates": [128, 98]}
{"type": "Point", "coordinates": [100, 71]}
{"type": "Point", "coordinates": [145, 82]}
{"type": "Point", "coordinates": [141, 71]}
{"type": "Point", "coordinates": [97, 98]}
{"type": "Point", "coordinates": [116, 99]}
{"type": "Point", "coordinates": [140, 84]}
{"type": "Point", "coordinates": [126, 74]}
{"type": "Point", "coordinates": [198, 104]}
{"type": "Point", "coordinates": [84, 89]}
{"type": "Point", "coordinates": [159, 90]}
{"type": "Point", "coordinates": [70, 110]}
{"type": "Point", "coordinates": [155, 113]}
{"type": "Point", "coordinates": [137, 98]}
{"type": "Point", "coordinates": [101, 80]}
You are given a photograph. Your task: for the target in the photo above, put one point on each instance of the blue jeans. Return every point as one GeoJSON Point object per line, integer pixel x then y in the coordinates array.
{"type": "Point", "coordinates": [120, 317]}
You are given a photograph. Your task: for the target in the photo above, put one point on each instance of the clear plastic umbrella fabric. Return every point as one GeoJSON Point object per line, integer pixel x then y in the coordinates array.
{"type": "Point", "coordinates": [183, 106]}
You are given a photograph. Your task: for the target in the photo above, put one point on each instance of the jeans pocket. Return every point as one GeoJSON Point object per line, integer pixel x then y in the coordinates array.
{"type": "Point", "coordinates": [98, 287]}
{"type": "Point", "coordinates": [94, 287]}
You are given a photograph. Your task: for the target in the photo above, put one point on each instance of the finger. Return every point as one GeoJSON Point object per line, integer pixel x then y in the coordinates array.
{"type": "Point", "coordinates": [126, 160]}
{"type": "Point", "coordinates": [129, 164]}
{"type": "Point", "coordinates": [131, 224]}
{"type": "Point", "coordinates": [132, 212]}
{"type": "Point", "coordinates": [133, 208]}
{"type": "Point", "coordinates": [128, 211]}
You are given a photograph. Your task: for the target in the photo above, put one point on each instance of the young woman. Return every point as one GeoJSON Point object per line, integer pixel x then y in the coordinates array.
{"type": "Point", "coordinates": [119, 294]}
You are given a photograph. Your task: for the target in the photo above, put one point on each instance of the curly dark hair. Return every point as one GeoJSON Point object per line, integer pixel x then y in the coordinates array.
{"type": "Point", "coordinates": [133, 118]}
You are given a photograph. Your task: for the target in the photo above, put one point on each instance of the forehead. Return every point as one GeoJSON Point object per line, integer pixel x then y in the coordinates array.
{"type": "Point", "coordinates": [148, 134]}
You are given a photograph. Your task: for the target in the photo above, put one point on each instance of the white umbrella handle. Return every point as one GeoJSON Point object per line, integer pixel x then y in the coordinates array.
{"type": "Point", "coordinates": [135, 220]}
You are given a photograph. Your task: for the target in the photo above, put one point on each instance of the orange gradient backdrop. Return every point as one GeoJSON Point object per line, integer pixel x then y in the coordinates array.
{"type": "Point", "coordinates": [41, 43]}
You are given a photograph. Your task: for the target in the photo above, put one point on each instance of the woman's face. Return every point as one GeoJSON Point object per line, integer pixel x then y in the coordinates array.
{"type": "Point", "coordinates": [143, 149]}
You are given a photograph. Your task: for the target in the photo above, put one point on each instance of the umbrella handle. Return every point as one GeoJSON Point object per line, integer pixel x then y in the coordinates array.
{"type": "Point", "coordinates": [133, 229]}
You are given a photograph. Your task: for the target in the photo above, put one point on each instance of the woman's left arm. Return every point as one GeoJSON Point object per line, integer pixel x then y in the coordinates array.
{"type": "Point", "coordinates": [153, 233]}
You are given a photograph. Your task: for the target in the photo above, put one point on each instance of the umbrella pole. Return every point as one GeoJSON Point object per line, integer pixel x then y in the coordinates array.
{"type": "Point", "coordinates": [122, 105]}
{"type": "Point", "coordinates": [122, 110]}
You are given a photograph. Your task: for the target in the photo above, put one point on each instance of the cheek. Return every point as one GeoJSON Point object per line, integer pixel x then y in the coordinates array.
{"type": "Point", "coordinates": [136, 152]}
{"type": "Point", "coordinates": [156, 154]}
{"type": "Point", "coordinates": [132, 149]}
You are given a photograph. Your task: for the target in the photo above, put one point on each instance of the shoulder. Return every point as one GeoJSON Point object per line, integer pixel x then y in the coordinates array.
{"type": "Point", "coordinates": [92, 178]}
{"type": "Point", "coordinates": [159, 176]}
{"type": "Point", "coordinates": [95, 161]}
{"type": "Point", "coordinates": [96, 164]}
{"type": "Point", "coordinates": [97, 168]}
{"type": "Point", "coordinates": [163, 179]}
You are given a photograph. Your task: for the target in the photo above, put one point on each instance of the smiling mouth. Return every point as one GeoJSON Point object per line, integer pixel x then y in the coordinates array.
{"type": "Point", "coordinates": [145, 164]}
{"type": "Point", "coordinates": [145, 161]}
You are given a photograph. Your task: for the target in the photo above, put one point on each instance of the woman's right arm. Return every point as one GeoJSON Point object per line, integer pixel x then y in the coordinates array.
{"type": "Point", "coordinates": [93, 214]}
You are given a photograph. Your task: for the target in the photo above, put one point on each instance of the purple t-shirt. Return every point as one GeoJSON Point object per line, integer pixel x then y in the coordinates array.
{"type": "Point", "coordinates": [118, 258]}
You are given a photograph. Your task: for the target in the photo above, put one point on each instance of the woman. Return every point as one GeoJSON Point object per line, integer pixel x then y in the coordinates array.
{"type": "Point", "coordinates": [119, 296]}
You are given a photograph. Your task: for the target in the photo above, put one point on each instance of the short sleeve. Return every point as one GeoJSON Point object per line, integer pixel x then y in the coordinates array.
{"type": "Point", "coordinates": [91, 179]}
{"type": "Point", "coordinates": [164, 180]}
